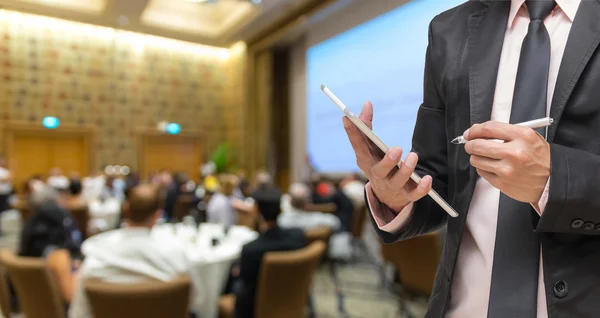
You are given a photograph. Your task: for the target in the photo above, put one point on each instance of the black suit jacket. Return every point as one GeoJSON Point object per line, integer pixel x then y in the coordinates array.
{"type": "Point", "coordinates": [462, 60]}
{"type": "Point", "coordinates": [273, 240]}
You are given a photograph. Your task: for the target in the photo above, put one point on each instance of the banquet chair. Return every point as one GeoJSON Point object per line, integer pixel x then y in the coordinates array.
{"type": "Point", "coordinates": [416, 260]}
{"type": "Point", "coordinates": [183, 204]}
{"type": "Point", "coordinates": [5, 301]}
{"type": "Point", "coordinates": [149, 300]}
{"type": "Point", "coordinates": [358, 221]}
{"type": "Point", "coordinates": [318, 234]}
{"type": "Point", "coordinates": [35, 286]}
{"type": "Point", "coordinates": [279, 271]}
{"type": "Point", "coordinates": [321, 207]}
{"type": "Point", "coordinates": [81, 215]}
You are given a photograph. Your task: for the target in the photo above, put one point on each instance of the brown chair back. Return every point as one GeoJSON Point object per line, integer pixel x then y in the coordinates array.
{"type": "Point", "coordinates": [81, 216]}
{"type": "Point", "coordinates": [279, 271]}
{"type": "Point", "coordinates": [35, 286]}
{"type": "Point", "coordinates": [321, 207]}
{"type": "Point", "coordinates": [358, 221]}
{"type": "Point", "coordinates": [182, 207]}
{"type": "Point", "coordinates": [5, 303]}
{"type": "Point", "coordinates": [150, 300]}
{"type": "Point", "coordinates": [416, 259]}
{"type": "Point", "coordinates": [318, 234]}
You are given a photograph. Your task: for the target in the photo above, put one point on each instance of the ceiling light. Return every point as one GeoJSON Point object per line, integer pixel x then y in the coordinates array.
{"type": "Point", "coordinates": [173, 128]}
{"type": "Point", "coordinates": [51, 122]}
{"type": "Point", "coordinates": [256, 1]}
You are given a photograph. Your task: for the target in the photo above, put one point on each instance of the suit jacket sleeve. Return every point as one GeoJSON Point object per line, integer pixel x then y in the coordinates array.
{"type": "Point", "coordinates": [430, 143]}
{"type": "Point", "coordinates": [573, 204]}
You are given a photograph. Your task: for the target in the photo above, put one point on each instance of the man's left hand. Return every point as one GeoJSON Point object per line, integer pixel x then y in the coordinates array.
{"type": "Point", "coordinates": [519, 167]}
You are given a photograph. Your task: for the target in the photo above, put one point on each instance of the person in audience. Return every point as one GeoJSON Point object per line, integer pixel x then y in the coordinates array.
{"type": "Point", "coordinates": [75, 201]}
{"type": "Point", "coordinates": [22, 199]}
{"type": "Point", "coordinates": [6, 189]}
{"type": "Point", "coordinates": [93, 185]}
{"type": "Point", "coordinates": [170, 192]}
{"type": "Point", "coordinates": [354, 188]}
{"type": "Point", "coordinates": [294, 214]}
{"type": "Point", "coordinates": [57, 180]}
{"type": "Point", "coordinates": [130, 255]}
{"type": "Point", "coordinates": [263, 180]}
{"type": "Point", "coordinates": [327, 192]}
{"type": "Point", "coordinates": [222, 204]}
{"type": "Point", "coordinates": [50, 233]}
{"type": "Point", "coordinates": [272, 239]}
{"type": "Point", "coordinates": [110, 192]}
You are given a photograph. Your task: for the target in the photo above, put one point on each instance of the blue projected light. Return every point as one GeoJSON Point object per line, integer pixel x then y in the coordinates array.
{"type": "Point", "coordinates": [173, 128]}
{"type": "Point", "coordinates": [50, 122]}
{"type": "Point", "coordinates": [381, 60]}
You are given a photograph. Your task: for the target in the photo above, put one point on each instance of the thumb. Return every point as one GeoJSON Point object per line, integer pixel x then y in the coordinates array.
{"type": "Point", "coordinates": [366, 115]}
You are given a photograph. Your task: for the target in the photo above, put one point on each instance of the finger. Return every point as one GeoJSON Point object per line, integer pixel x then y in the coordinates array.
{"type": "Point", "coordinates": [487, 148]}
{"type": "Point", "coordinates": [421, 189]}
{"type": "Point", "coordinates": [406, 169]}
{"type": "Point", "coordinates": [366, 115]}
{"type": "Point", "coordinates": [371, 148]}
{"type": "Point", "coordinates": [382, 169]}
{"type": "Point", "coordinates": [489, 177]}
{"type": "Point", "coordinates": [495, 130]}
{"type": "Point", "coordinates": [486, 164]}
{"type": "Point", "coordinates": [359, 144]}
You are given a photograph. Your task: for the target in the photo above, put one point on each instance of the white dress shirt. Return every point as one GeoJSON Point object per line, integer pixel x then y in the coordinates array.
{"type": "Point", "coordinates": [126, 256]}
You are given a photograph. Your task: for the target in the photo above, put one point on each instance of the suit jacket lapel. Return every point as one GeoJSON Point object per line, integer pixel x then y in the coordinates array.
{"type": "Point", "coordinates": [583, 40]}
{"type": "Point", "coordinates": [486, 36]}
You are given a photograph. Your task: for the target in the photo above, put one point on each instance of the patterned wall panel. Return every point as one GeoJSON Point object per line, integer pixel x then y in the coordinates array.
{"type": "Point", "coordinates": [117, 81]}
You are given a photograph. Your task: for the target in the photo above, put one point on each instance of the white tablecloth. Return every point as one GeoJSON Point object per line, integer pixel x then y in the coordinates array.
{"type": "Point", "coordinates": [210, 265]}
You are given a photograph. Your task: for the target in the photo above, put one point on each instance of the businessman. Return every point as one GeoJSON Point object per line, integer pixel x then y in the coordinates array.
{"type": "Point", "coordinates": [526, 243]}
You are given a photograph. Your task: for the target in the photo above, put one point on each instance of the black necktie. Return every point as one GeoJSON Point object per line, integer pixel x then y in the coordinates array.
{"type": "Point", "coordinates": [516, 253]}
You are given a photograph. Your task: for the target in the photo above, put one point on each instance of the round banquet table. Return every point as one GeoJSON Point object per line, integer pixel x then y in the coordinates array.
{"type": "Point", "coordinates": [209, 265]}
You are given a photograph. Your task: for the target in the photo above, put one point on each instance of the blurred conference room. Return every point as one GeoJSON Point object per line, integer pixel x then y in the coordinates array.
{"type": "Point", "coordinates": [177, 158]}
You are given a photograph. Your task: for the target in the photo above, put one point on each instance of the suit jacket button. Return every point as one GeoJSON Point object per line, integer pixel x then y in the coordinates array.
{"type": "Point", "coordinates": [588, 226]}
{"type": "Point", "coordinates": [577, 223]}
{"type": "Point", "coordinates": [561, 289]}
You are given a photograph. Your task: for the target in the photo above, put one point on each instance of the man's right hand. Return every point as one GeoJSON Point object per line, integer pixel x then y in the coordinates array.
{"type": "Point", "coordinates": [391, 185]}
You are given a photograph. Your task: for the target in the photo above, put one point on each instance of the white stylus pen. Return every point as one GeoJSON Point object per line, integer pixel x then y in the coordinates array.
{"type": "Point", "coordinates": [367, 131]}
{"type": "Point", "coordinates": [536, 123]}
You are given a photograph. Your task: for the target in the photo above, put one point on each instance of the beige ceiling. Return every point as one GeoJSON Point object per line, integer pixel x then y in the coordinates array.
{"type": "Point", "coordinates": [220, 22]}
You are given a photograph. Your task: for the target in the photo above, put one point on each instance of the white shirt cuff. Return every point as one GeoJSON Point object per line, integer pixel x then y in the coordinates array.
{"type": "Point", "coordinates": [387, 220]}
{"type": "Point", "coordinates": [541, 205]}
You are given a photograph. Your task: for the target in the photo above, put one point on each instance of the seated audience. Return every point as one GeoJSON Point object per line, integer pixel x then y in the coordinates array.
{"type": "Point", "coordinates": [221, 207]}
{"type": "Point", "coordinates": [263, 181]}
{"type": "Point", "coordinates": [294, 214]}
{"type": "Point", "coordinates": [6, 189]}
{"type": "Point", "coordinates": [272, 239]}
{"type": "Point", "coordinates": [354, 188]}
{"type": "Point", "coordinates": [112, 190]}
{"type": "Point", "coordinates": [327, 192]}
{"type": "Point", "coordinates": [93, 185]}
{"type": "Point", "coordinates": [75, 200]}
{"type": "Point", "coordinates": [57, 180]}
{"type": "Point", "coordinates": [50, 233]}
{"type": "Point", "coordinates": [130, 255]}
